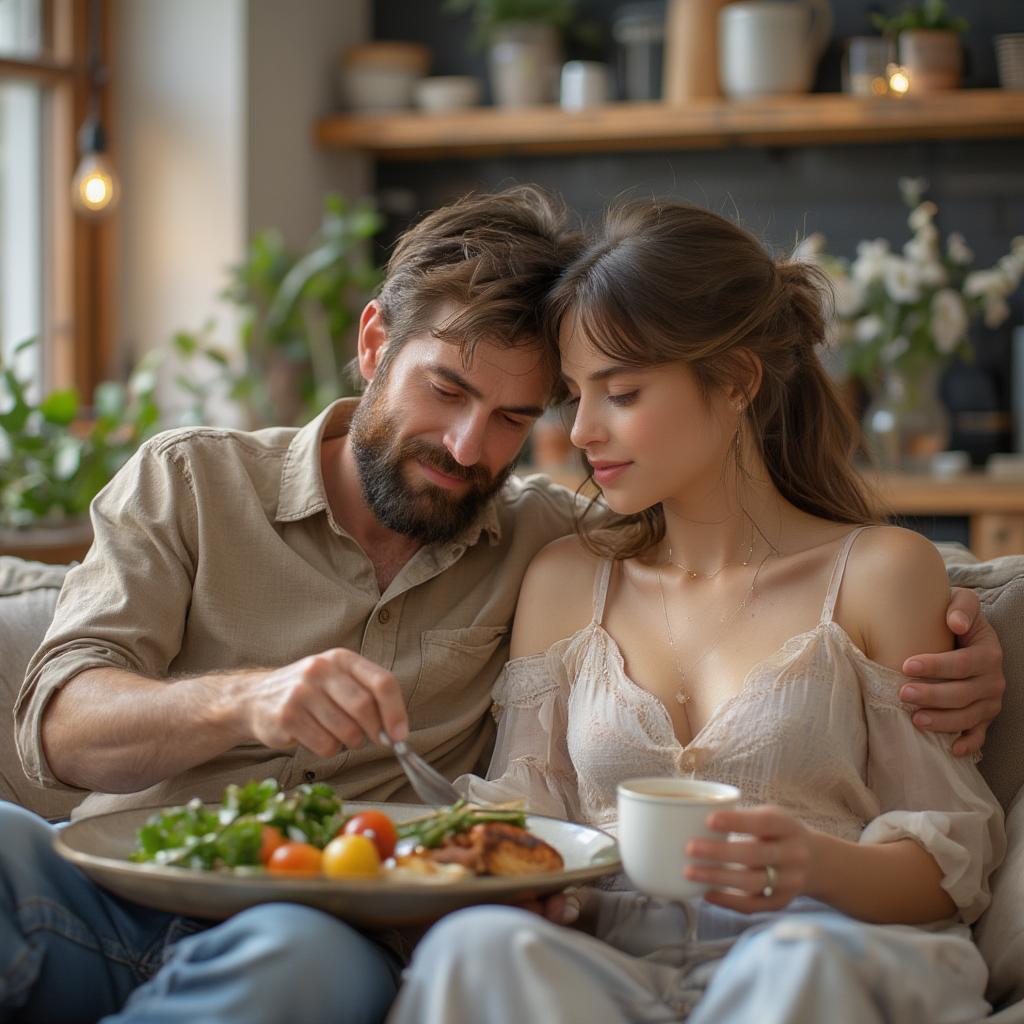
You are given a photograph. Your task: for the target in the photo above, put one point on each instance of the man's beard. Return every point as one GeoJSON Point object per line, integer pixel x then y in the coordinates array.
{"type": "Point", "coordinates": [426, 513]}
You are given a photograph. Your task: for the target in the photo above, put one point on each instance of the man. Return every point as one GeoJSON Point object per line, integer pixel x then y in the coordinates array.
{"type": "Point", "coordinates": [258, 604]}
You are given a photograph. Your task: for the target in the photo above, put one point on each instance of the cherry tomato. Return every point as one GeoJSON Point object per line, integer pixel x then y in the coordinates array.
{"type": "Point", "coordinates": [272, 839]}
{"type": "Point", "coordinates": [376, 826]}
{"type": "Point", "coordinates": [296, 859]}
{"type": "Point", "coordinates": [353, 856]}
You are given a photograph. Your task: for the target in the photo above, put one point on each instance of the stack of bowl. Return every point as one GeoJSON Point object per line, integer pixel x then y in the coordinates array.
{"type": "Point", "coordinates": [1010, 60]}
{"type": "Point", "coordinates": [382, 75]}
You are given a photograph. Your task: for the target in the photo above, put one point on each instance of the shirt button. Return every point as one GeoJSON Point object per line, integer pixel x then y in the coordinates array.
{"type": "Point", "coordinates": [384, 616]}
{"type": "Point", "coordinates": [309, 776]}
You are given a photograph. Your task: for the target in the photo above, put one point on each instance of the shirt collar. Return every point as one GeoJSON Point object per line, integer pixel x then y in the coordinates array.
{"type": "Point", "coordinates": [302, 493]}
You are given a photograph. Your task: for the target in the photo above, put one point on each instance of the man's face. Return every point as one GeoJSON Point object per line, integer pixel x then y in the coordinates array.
{"type": "Point", "coordinates": [434, 439]}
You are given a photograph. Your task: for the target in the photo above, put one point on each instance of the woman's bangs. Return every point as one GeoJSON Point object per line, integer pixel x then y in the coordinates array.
{"type": "Point", "coordinates": [612, 332]}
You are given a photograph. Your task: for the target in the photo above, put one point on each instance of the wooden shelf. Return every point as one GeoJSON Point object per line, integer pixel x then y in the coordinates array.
{"type": "Point", "coordinates": [820, 118]}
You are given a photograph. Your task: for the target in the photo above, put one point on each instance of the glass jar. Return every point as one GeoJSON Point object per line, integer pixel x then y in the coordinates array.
{"type": "Point", "coordinates": [906, 423]}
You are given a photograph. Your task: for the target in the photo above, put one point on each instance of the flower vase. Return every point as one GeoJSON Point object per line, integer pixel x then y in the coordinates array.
{"type": "Point", "coordinates": [906, 423]}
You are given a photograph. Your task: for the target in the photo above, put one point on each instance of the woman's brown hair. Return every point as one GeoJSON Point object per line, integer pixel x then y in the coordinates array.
{"type": "Point", "coordinates": [664, 282]}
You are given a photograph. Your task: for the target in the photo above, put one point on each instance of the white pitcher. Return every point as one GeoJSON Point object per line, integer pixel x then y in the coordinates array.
{"type": "Point", "coordinates": [771, 47]}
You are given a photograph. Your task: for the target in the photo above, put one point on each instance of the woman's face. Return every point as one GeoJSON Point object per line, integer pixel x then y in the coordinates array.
{"type": "Point", "coordinates": [649, 433]}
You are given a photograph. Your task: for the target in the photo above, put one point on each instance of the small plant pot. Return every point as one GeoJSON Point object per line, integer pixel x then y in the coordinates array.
{"type": "Point", "coordinates": [933, 58]}
{"type": "Point", "coordinates": [524, 61]}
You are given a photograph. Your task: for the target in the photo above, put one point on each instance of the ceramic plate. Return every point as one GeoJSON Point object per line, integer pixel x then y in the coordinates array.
{"type": "Point", "coordinates": [100, 847]}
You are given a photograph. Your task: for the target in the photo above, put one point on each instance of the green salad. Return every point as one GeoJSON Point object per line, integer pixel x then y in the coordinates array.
{"type": "Point", "coordinates": [232, 835]}
{"type": "Point", "coordinates": [194, 836]}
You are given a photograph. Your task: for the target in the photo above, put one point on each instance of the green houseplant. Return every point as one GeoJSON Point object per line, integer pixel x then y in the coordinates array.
{"type": "Point", "coordinates": [523, 39]}
{"type": "Point", "coordinates": [297, 312]}
{"type": "Point", "coordinates": [52, 462]}
{"type": "Point", "coordinates": [928, 43]}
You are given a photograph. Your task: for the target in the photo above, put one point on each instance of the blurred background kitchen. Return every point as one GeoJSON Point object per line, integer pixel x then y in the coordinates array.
{"type": "Point", "coordinates": [195, 198]}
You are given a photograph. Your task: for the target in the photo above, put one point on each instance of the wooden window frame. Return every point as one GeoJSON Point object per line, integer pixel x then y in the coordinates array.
{"type": "Point", "coordinates": [78, 328]}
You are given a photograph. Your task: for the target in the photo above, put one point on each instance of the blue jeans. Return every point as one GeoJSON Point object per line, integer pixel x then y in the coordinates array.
{"type": "Point", "coordinates": [70, 952]}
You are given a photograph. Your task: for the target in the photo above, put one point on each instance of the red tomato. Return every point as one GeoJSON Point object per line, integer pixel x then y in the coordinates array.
{"type": "Point", "coordinates": [272, 839]}
{"type": "Point", "coordinates": [376, 826]}
{"type": "Point", "coordinates": [295, 859]}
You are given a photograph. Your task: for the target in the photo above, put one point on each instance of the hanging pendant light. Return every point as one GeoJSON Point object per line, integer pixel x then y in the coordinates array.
{"type": "Point", "coordinates": [94, 187]}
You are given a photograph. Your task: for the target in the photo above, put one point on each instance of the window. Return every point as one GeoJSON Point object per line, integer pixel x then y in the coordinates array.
{"type": "Point", "coordinates": [55, 283]}
{"type": "Point", "coordinates": [21, 213]}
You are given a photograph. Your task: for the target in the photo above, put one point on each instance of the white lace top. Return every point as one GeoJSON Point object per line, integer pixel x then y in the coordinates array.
{"type": "Point", "coordinates": [816, 728]}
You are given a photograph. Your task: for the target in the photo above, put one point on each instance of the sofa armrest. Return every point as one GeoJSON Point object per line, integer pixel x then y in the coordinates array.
{"type": "Point", "coordinates": [28, 593]}
{"type": "Point", "coordinates": [1000, 931]}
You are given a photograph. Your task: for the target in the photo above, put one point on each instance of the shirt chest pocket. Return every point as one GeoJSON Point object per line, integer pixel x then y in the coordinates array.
{"type": "Point", "coordinates": [457, 669]}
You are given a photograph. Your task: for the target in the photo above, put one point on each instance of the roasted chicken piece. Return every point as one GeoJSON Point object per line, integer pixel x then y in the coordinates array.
{"type": "Point", "coordinates": [495, 848]}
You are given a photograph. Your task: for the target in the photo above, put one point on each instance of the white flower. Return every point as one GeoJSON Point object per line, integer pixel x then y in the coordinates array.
{"type": "Point", "coordinates": [949, 320]}
{"type": "Point", "coordinates": [911, 189]}
{"type": "Point", "coordinates": [958, 251]}
{"type": "Point", "coordinates": [870, 262]}
{"type": "Point", "coordinates": [902, 280]}
{"type": "Point", "coordinates": [891, 352]}
{"type": "Point", "coordinates": [932, 274]}
{"type": "Point", "coordinates": [809, 249]}
{"type": "Point", "coordinates": [983, 282]}
{"type": "Point", "coordinates": [1017, 245]}
{"type": "Point", "coordinates": [1012, 265]}
{"type": "Point", "coordinates": [996, 310]}
{"type": "Point", "coordinates": [921, 217]}
{"type": "Point", "coordinates": [867, 328]}
{"type": "Point", "coordinates": [921, 250]}
{"type": "Point", "coordinates": [849, 296]}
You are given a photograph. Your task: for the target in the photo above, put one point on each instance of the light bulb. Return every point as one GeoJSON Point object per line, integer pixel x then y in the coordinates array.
{"type": "Point", "coordinates": [94, 188]}
{"type": "Point", "coordinates": [899, 79]}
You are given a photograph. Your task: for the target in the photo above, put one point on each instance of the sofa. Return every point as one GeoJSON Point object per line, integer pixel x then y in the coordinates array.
{"type": "Point", "coordinates": [28, 592]}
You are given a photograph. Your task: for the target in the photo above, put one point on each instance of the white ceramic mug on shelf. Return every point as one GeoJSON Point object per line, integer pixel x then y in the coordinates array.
{"type": "Point", "coordinates": [771, 47]}
{"type": "Point", "coordinates": [657, 818]}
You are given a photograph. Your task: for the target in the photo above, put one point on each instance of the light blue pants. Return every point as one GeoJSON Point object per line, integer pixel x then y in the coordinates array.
{"type": "Point", "coordinates": [499, 965]}
{"type": "Point", "coordinates": [70, 952]}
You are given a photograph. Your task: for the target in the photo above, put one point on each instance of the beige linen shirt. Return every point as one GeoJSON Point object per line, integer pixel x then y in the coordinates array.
{"type": "Point", "coordinates": [216, 550]}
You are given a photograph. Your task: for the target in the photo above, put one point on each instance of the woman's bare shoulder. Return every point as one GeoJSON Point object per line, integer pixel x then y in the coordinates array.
{"type": "Point", "coordinates": [894, 595]}
{"type": "Point", "coordinates": [556, 598]}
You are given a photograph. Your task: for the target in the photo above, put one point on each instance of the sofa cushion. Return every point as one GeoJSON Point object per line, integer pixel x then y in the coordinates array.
{"type": "Point", "coordinates": [1000, 586]}
{"type": "Point", "coordinates": [28, 593]}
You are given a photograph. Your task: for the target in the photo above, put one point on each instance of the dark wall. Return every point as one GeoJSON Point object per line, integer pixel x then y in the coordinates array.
{"type": "Point", "coordinates": [847, 192]}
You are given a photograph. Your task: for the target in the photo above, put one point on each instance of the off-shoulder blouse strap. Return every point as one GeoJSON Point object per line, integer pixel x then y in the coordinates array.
{"type": "Point", "coordinates": [601, 579]}
{"type": "Point", "coordinates": [838, 568]}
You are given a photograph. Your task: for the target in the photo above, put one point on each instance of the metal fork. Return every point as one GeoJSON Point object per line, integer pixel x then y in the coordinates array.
{"type": "Point", "coordinates": [430, 785]}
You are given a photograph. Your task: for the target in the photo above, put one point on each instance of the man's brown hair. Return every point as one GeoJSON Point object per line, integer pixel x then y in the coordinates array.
{"type": "Point", "coordinates": [493, 257]}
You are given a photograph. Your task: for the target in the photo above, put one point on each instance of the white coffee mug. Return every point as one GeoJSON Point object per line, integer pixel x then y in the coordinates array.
{"type": "Point", "coordinates": [657, 818]}
{"type": "Point", "coordinates": [771, 47]}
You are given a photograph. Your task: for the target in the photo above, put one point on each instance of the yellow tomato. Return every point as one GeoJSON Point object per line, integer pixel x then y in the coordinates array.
{"type": "Point", "coordinates": [352, 856]}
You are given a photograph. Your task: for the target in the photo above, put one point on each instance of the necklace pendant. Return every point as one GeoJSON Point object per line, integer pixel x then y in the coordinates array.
{"type": "Point", "coordinates": [682, 698]}
{"type": "Point", "coordinates": [692, 573]}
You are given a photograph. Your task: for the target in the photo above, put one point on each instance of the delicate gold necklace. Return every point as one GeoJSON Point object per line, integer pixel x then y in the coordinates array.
{"type": "Point", "coordinates": [681, 696]}
{"type": "Point", "coordinates": [696, 574]}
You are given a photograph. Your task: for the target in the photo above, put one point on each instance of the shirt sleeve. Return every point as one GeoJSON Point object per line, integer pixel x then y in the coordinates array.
{"type": "Point", "coordinates": [531, 758]}
{"type": "Point", "coordinates": [125, 606]}
{"type": "Point", "coordinates": [927, 794]}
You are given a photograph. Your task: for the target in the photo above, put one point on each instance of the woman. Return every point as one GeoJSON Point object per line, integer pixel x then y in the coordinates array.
{"type": "Point", "coordinates": [744, 620]}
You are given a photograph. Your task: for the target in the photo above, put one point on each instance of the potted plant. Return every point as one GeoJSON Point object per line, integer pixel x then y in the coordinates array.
{"type": "Point", "coordinates": [903, 317]}
{"type": "Point", "coordinates": [523, 39]}
{"type": "Point", "coordinates": [297, 318]}
{"type": "Point", "coordinates": [928, 43]}
{"type": "Point", "coordinates": [298, 314]}
{"type": "Point", "coordinates": [54, 459]}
